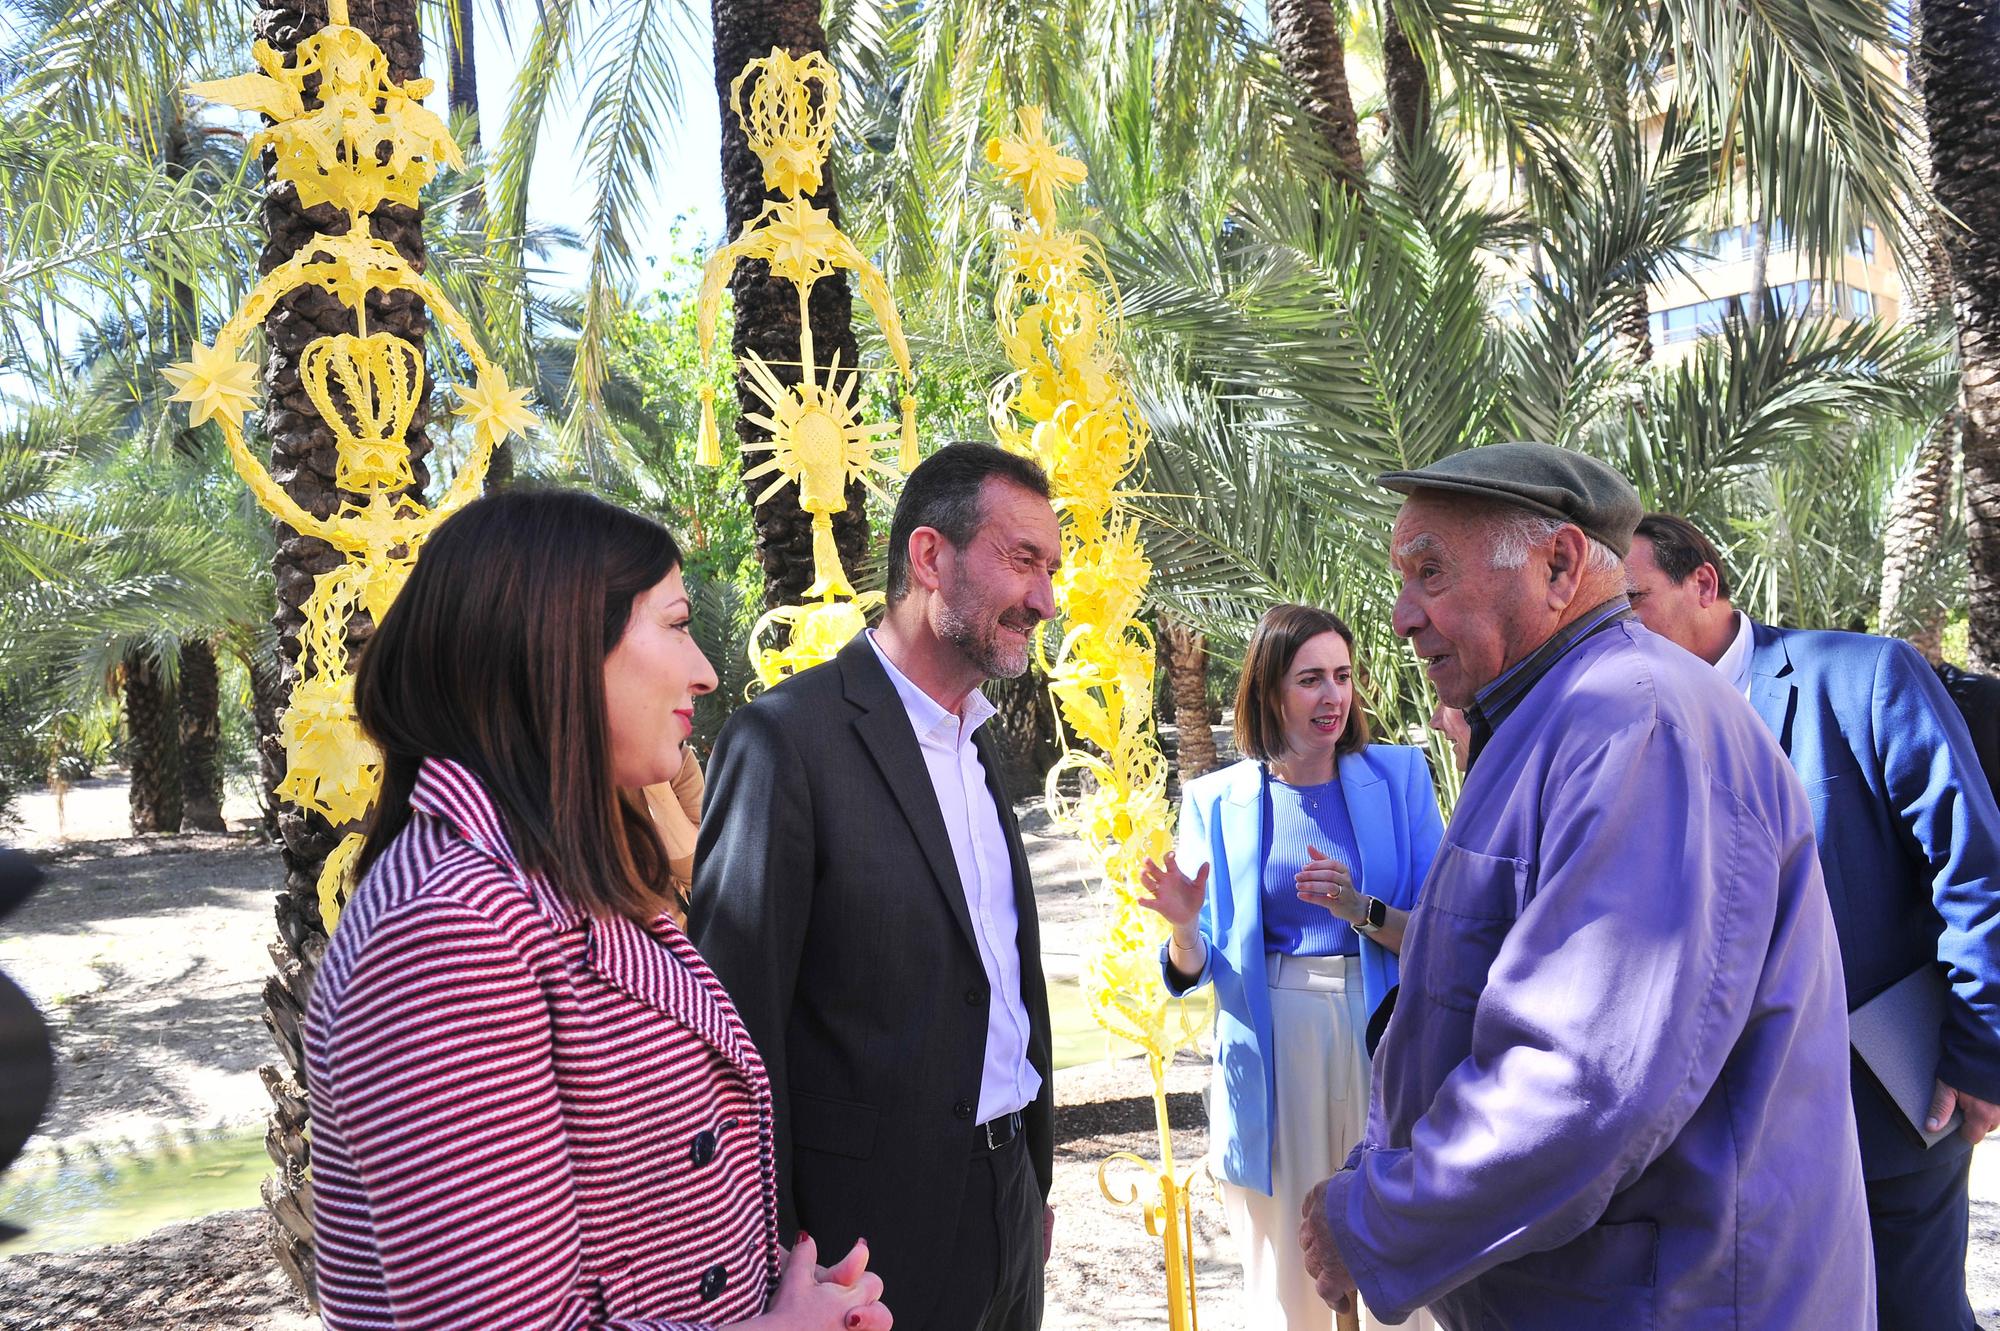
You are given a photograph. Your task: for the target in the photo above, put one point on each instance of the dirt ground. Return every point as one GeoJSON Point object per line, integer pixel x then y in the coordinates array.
{"type": "Point", "coordinates": [147, 955]}
{"type": "Point", "coordinates": [216, 1274]}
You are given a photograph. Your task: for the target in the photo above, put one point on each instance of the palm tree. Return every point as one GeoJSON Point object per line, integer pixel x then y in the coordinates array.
{"type": "Point", "coordinates": [1186, 652]}
{"type": "Point", "coordinates": [199, 687]}
{"type": "Point", "coordinates": [1294, 338]}
{"type": "Point", "coordinates": [109, 562]}
{"type": "Point", "coordinates": [1960, 55]}
{"type": "Point", "coordinates": [299, 447]}
{"type": "Point", "coordinates": [152, 743]}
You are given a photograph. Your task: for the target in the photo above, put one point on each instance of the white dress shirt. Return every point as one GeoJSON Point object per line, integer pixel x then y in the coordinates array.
{"type": "Point", "coordinates": [1735, 662]}
{"type": "Point", "coordinates": [1007, 1081]}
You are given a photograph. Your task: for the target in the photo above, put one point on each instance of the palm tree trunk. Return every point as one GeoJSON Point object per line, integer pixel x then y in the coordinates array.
{"type": "Point", "coordinates": [1760, 269]}
{"type": "Point", "coordinates": [183, 322]}
{"type": "Point", "coordinates": [1187, 679]}
{"type": "Point", "coordinates": [1024, 732]}
{"type": "Point", "coordinates": [1408, 85]}
{"type": "Point", "coordinates": [267, 703]}
{"type": "Point", "coordinates": [152, 745]}
{"type": "Point", "coordinates": [302, 460]}
{"type": "Point", "coordinates": [462, 66]}
{"type": "Point", "coordinates": [1961, 60]}
{"type": "Point", "coordinates": [1313, 55]}
{"type": "Point", "coordinates": [767, 308]}
{"type": "Point", "coordinates": [1918, 510]}
{"type": "Point", "coordinates": [1633, 324]}
{"type": "Point", "coordinates": [201, 737]}
{"type": "Point", "coordinates": [1920, 506]}
{"type": "Point", "coordinates": [461, 55]}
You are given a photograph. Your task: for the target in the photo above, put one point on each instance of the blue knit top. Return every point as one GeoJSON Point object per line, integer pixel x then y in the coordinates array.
{"type": "Point", "coordinates": [1302, 815]}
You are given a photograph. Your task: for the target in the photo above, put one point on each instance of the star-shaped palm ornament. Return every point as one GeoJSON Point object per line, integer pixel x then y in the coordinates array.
{"type": "Point", "coordinates": [1032, 162]}
{"type": "Point", "coordinates": [215, 383]}
{"type": "Point", "coordinates": [801, 242]}
{"type": "Point", "coordinates": [494, 409]}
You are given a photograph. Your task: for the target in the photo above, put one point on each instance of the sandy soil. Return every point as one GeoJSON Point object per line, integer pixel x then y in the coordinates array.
{"type": "Point", "coordinates": [213, 1274]}
{"type": "Point", "coordinates": [147, 958]}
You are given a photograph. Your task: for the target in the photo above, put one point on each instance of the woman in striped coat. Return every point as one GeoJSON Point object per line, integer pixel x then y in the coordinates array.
{"type": "Point", "coordinates": [533, 1106]}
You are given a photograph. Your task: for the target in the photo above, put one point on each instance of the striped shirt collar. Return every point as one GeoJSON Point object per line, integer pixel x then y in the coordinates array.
{"type": "Point", "coordinates": [1497, 701]}
{"type": "Point", "coordinates": [450, 791]}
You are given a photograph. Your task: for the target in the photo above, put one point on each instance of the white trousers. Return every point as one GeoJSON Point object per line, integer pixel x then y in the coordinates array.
{"type": "Point", "coordinates": [1321, 1061]}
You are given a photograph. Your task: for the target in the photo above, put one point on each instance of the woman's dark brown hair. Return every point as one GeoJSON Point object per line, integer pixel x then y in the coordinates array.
{"type": "Point", "coordinates": [1260, 717]}
{"type": "Point", "coordinates": [493, 656]}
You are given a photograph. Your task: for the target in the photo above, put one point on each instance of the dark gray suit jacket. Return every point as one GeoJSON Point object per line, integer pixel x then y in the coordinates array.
{"type": "Point", "coordinates": [828, 902]}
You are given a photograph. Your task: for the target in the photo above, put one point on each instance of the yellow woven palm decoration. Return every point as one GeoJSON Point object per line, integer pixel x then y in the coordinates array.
{"type": "Point", "coordinates": [1068, 405]}
{"type": "Point", "coordinates": [368, 142]}
{"type": "Point", "coordinates": [818, 441]}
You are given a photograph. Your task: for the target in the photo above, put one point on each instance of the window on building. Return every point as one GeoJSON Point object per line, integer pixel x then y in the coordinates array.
{"type": "Point", "coordinates": [1794, 298]}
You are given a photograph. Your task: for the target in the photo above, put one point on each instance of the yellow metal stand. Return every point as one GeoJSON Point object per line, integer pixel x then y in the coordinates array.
{"type": "Point", "coordinates": [1169, 1213]}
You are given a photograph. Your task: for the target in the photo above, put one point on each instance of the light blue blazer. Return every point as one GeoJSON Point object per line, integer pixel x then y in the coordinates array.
{"type": "Point", "coordinates": [1393, 808]}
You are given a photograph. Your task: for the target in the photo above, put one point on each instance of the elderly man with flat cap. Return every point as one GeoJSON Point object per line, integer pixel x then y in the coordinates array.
{"type": "Point", "coordinates": [1614, 1091]}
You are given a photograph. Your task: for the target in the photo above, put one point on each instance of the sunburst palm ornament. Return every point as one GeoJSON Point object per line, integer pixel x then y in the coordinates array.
{"type": "Point", "coordinates": [819, 443]}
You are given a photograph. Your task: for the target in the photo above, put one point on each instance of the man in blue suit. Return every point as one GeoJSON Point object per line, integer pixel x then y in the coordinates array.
{"type": "Point", "coordinates": [1909, 839]}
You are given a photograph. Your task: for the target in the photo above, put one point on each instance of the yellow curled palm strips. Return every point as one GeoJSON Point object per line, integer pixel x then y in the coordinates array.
{"type": "Point", "coordinates": [1068, 405]}
{"type": "Point", "coordinates": [368, 141]}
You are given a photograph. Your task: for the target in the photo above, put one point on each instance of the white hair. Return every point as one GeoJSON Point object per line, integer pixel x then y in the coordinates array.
{"type": "Point", "coordinates": [1516, 531]}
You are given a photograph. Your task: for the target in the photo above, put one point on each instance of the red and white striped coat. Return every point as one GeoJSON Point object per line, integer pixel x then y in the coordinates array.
{"type": "Point", "coordinates": [524, 1115]}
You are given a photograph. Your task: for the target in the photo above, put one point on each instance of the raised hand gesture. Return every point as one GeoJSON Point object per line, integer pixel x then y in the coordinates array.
{"type": "Point", "coordinates": [1172, 894]}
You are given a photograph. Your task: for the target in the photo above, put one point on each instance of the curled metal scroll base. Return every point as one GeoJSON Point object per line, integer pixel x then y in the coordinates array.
{"type": "Point", "coordinates": [1164, 1202]}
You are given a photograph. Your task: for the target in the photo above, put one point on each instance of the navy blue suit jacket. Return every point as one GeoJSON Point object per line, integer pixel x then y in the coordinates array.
{"type": "Point", "coordinates": [1909, 839]}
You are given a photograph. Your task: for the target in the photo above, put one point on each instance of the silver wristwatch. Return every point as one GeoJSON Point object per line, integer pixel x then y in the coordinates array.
{"type": "Point", "coordinates": [1374, 914]}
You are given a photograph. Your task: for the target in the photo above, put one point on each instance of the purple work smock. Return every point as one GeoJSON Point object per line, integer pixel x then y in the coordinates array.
{"type": "Point", "coordinates": [1614, 1093]}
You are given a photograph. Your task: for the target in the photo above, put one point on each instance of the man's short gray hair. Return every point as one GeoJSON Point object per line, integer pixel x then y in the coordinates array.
{"type": "Point", "coordinates": [1516, 531]}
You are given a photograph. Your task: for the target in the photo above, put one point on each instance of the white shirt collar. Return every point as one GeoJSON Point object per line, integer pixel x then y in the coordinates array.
{"type": "Point", "coordinates": [1735, 662]}
{"type": "Point", "coordinates": [927, 716]}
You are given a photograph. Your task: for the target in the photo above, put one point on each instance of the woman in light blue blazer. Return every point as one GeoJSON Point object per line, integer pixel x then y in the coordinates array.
{"type": "Point", "coordinates": [1293, 879]}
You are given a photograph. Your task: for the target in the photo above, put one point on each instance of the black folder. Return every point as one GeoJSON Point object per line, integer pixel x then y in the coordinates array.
{"type": "Point", "coordinates": [1895, 1035]}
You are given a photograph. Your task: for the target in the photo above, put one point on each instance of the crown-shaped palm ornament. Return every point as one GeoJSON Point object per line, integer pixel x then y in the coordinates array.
{"type": "Point", "coordinates": [818, 441]}
{"type": "Point", "coordinates": [368, 141]}
{"type": "Point", "coordinates": [379, 379]}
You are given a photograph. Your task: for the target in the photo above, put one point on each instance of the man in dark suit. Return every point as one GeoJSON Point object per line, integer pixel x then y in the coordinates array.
{"type": "Point", "coordinates": [1909, 840]}
{"type": "Point", "coordinates": [861, 890]}
{"type": "Point", "coordinates": [1978, 699]}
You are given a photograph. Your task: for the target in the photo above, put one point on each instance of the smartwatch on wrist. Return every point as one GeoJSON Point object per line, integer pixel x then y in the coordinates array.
{"type": "Point", "coordinates": [1374, 915]}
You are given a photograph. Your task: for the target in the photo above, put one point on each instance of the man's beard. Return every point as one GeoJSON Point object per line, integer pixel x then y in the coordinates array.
{"type": "Point", "coordinates": [978, 638]}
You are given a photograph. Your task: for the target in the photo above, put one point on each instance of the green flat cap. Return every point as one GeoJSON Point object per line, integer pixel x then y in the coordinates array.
{"type": "Point", "coordinates": [1555, 482]}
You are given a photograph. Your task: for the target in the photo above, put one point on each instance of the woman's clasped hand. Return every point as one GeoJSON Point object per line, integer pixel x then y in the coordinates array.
{"type": "Point", "coordinates": [1325, 881]}
{"type": "Point", "coordinates": [810, 1297]}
